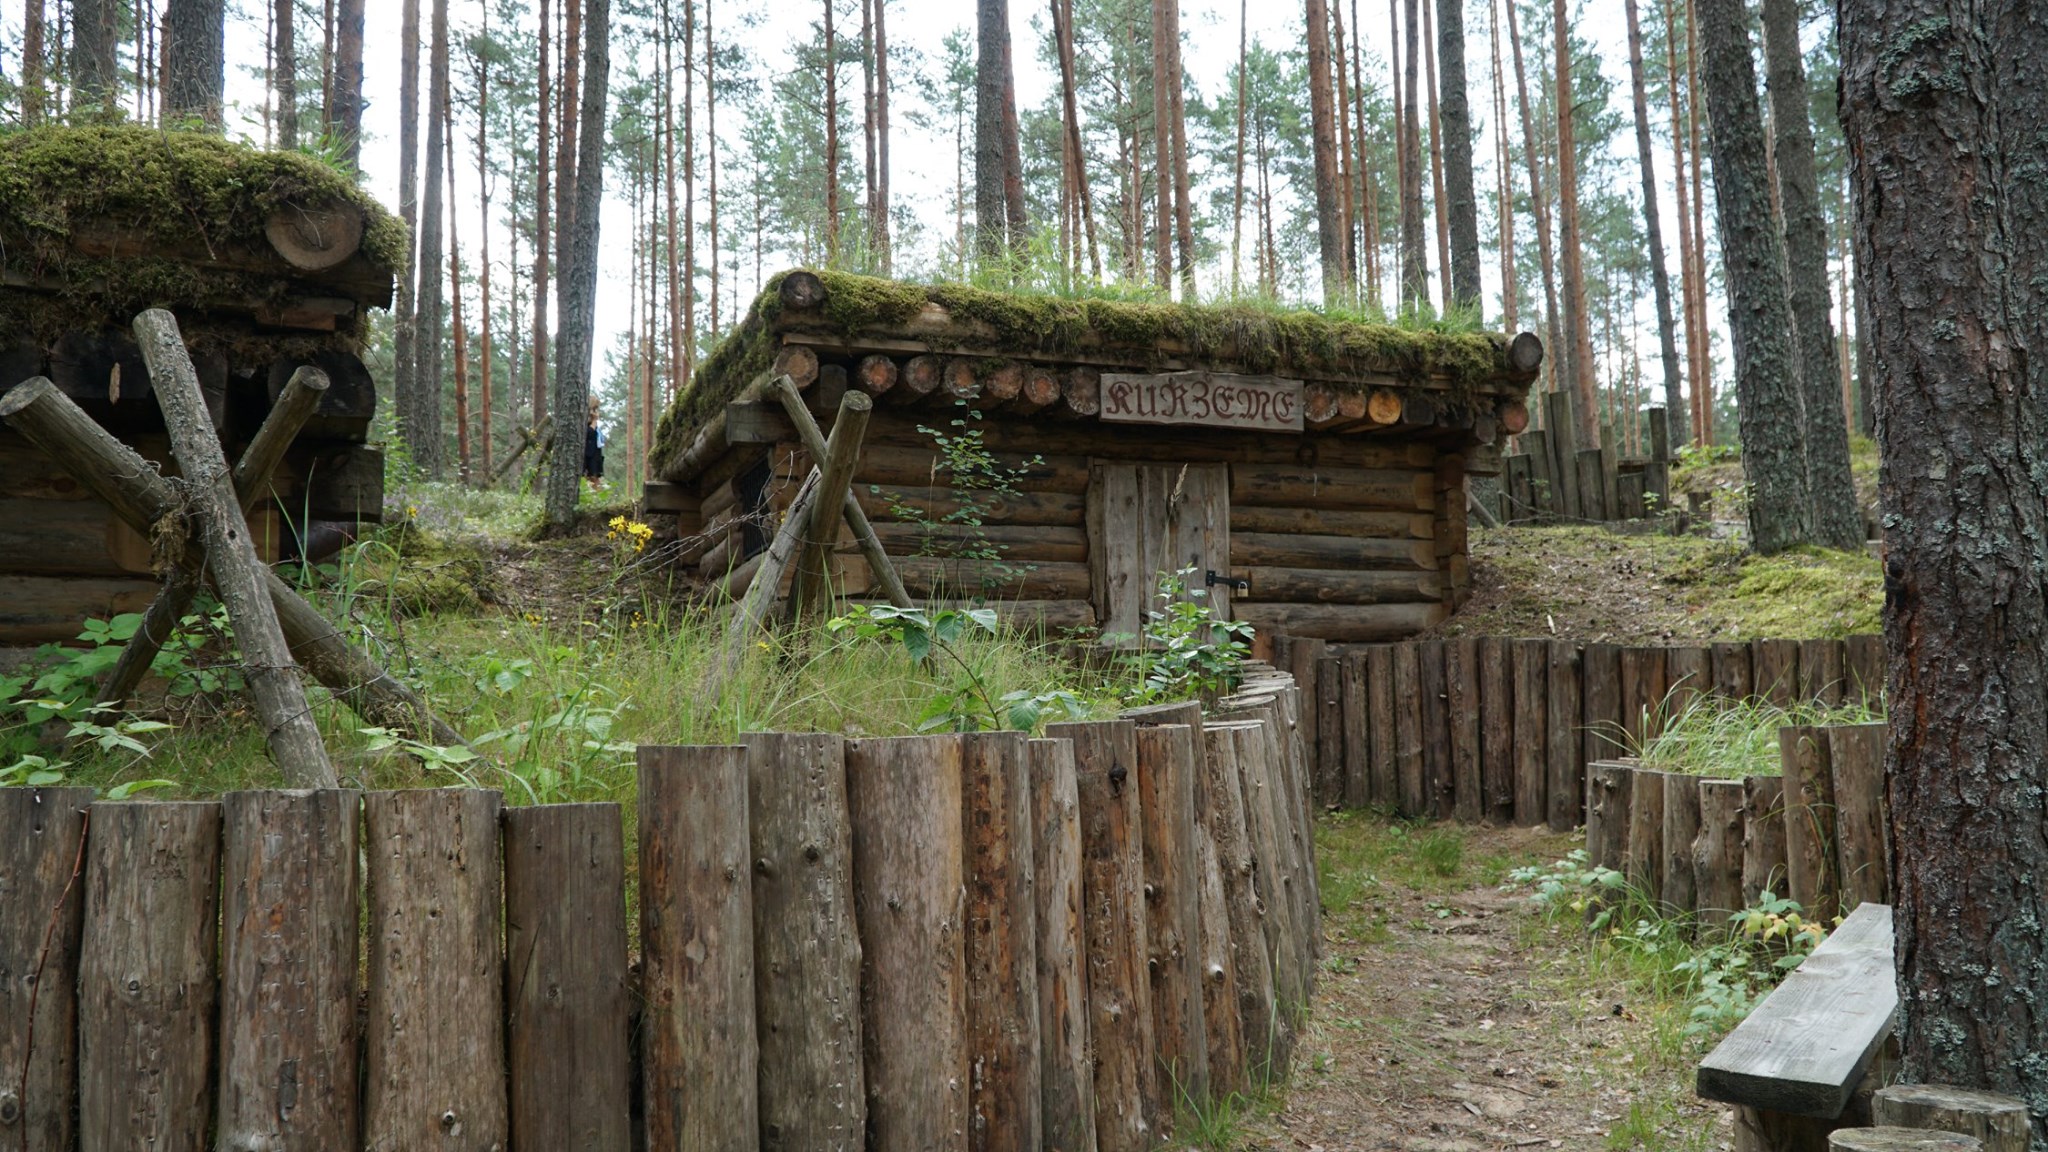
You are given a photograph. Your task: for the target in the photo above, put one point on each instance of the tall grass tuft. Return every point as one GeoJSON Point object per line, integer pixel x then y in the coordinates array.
{"type": "Point", "coordinates": [1728, 739]}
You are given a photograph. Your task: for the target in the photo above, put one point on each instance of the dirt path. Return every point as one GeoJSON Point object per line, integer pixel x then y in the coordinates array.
{"type": "Point", "coordinates": [1451, 1017]}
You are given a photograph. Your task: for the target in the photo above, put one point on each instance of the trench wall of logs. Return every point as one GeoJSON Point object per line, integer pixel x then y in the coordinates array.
{"type": "Point", "coordinates": [1337, 534]}
{"type": "Point", "coordinates": [979, 941]}
{"type": "Point", "coordinates": [1540, 731]}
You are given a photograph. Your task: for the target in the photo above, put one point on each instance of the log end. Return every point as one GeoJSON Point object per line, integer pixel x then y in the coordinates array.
{"type": "Point", "coordinates": [802, 291]}
{"type": "Point", "coordinates": [20, 396]}
{"type": "Point", "coordinates": [1514, 416]}
{"type": "Point", "coordinates": [315, 237]}
{"type": "Point", "coordinates": [1525, 352]}
{"type": "Point", "coordinates": [1384, 407]}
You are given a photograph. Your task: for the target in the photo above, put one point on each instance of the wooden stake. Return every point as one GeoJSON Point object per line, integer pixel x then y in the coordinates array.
{"type": "Point", "coordinates": [1166, 797]}
{"type": "Point", "coordinates": [1259, 1024]}
{"type": "Point", "coordinates": [863, 532]}
{"type": "Point", "coordinates": [1717, 856]}
{"type": "Point", "coordinates": [1066, 1068]}
{"type": "Point", "coordinates": [1856, 768]}
{"type": "Point", "coordinates": [1681, 829]}
{"type": "Point", "coordinates": [1461, 681]}
{"type": "Point", "coordinates": [1382, 761]}
{"type": "Point", "coordinates": [806, 946]}
{"type": "Point", "coordinates": [1564, 753]}
{"type": "Point", "coordinates": [1609, 783]}
{"type": "Point", "coordinates": [1763, 837]}
{"type": "Point", "coordinates": [1002, 957]}
{"type": "Point", "coordinates": [1531, 660]}
{"type": "Point", "coordinates": [1645, 858]}
{"type": "Point", "coordinates": [1408, 795]}
{"type": "Point", "coordinates": [1810, 876]}
{"type": "Point", "coordinates": [812, 593]}
{"type": "Point", "coordinates": [231, 559]}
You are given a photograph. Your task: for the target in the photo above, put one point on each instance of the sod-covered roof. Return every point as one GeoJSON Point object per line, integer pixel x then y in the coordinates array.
{"type": "Point", "coordinates": [110, 219]}
{"type": "Point", "coordinates": [1348, 352]}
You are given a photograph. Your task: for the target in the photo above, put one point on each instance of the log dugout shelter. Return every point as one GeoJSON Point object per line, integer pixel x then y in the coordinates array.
{"type": "Point", "coordinates": [1310, 470]}
{"type": "Point", "coordinates": [269, 261]}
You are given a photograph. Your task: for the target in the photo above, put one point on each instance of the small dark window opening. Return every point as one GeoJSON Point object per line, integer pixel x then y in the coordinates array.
{"type": "Point", "coordinates": [751, 487]}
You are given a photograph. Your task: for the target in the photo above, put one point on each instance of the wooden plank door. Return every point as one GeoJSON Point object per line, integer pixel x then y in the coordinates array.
{"type": "Point", "coordinates": [1145, 519]}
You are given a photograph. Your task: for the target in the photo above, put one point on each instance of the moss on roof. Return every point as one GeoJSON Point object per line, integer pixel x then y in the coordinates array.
{"type": "Point", "coordinates": [1330, 346]}
{"type": "Point", "coordinates": [183, 190]}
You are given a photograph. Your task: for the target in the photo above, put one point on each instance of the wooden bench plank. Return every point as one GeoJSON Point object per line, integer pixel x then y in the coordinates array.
{"type": "Point", "coordinates": [1804, 1048]}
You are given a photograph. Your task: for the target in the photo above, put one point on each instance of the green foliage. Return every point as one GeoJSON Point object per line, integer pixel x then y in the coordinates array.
{"type": "Point", "coordinates": [1187, 652]}
{"type": "Point", "coordinates": [977, 480]}
{"type": "Point", "coordinates": [1729, 739]}
{"type": "Point", "coordinates": [967, 703]}
{"type": "Point", "coordinates": [63, 680]}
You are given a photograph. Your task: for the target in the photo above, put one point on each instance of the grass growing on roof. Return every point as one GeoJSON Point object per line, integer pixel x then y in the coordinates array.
{"type": "Point", "coordinates": [1253, 336]}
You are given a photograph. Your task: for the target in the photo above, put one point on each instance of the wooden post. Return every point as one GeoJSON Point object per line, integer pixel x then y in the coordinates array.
{"type": "Point", "coordinates": [1657, 471]}
{"type": "Point", "coordinates": [1383, 760]}
{"type": "Point", "coordinates": [1686, 678]}
{"type": "Point", "coordinates": [1731, 671]}
{"type": "Point", "coordinates": [1334, 738]}
{"type": "Point", "coordinates": [1066, 1075]}
{"type": "Point", "coordinates": [812, 593]}
{"type": "Point", "coordinates": [1645, 859]}
{"type": "Point", "coordinates": [815, 443]}
{"type": "Point", "coordinates": [1681, 828]}
{"type": "Point", "coordinates": [230, 557]}
{"type": "Point", "coordinates": [1496, 731]}
{"type": "Point", "coordinates": [1564, 757]}
{"type": "Point", "coordinates": [1856, 768]}
{"type": "Point", "coordinates": [1600, 673]}
{"type": "Point", "coordinates": [1763, 837]}
{"type": "Point", "coordinates": [1591, 466]}
{"type": "Point", "coordinates": [434, 1068]}
{"type": "Point", "coordinates": [1810, 876]}
{"type": "Point", "coordinates": [904, 796]}
{"type": "Point", "coordinates": [1820, 671]}
{"type": "Point", "coordinates": [1409, 733]}
{"type": "Point", "coordinates": [1532, 731]}
{"type": "Point", "coordinates": [1642, 694]}
{"type": "Point", "coordinates": [1166, 798]}
{"type": "Point", "coordinates": [1355, 690]}
{"type": "Point", "coordinates": [1717, 855]}
{"type": "Point", "coordinates": [1562, 428]}
{"type": "Point", "coordinates": [1461, 682]}
{"type": "Point", "coordinates": [1254, 778]}
{"type": "Point", "coordinates": [141, 497]}
{"type": "Point", "coordinates": [1609, 783]}
{"type": "Point", "coordinates": [289, 928]}
{"type": "Point", "coordinates": [1436, 730]}
{"type": "Point", "coordinates": [1775, 670]}
{"type": "Point", "coordinates": [1002, 958]}
{"type": "Point", "coordinates": [766, 582]}
{"type": "Point", "coordinates": [1127, 1111]}
{"type": "Point", "coordinates": [699, 1051]}
{"type": "Point", "coordinates": [147, 981]}
{"type": "Point", "coordinates": [568, 1021]}
{"type": "Point", "coordinates": [42, 903]}
{"type": "Point", "coordinates": [2001, 1122]}
{"type": "Point", "coordinates": [1259, 1024]}
{"type": "Point", "coordinates": [812, 1093]}
{"type": "Point", "coordinates": [1863, 669]}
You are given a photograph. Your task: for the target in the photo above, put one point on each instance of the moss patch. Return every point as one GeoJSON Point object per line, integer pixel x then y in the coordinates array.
{"type": "Point", "coordinates": [184, 191]}
{"type": "Point", "coordinates": [1338, 347]}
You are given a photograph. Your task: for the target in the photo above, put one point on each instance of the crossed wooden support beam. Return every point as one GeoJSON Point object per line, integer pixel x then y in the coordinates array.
{"type": "Point", "coordinates": [198, 525]}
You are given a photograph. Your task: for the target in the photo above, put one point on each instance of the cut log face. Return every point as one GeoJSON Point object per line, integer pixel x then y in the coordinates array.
{"type": "Point", "coordinates": [315, 238]}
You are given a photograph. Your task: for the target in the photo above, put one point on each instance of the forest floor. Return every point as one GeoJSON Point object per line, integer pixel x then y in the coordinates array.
{"type": "Point", "coordinates": [1454, 1016]}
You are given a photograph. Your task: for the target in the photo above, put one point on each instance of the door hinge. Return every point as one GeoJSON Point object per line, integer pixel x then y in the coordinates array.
{"type": "Point", "coordinates": [1210, 579]}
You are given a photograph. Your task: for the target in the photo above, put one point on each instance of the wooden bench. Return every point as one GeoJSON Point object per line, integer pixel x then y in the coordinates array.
{"type": "Point", "coordinates": [1793, 1068]}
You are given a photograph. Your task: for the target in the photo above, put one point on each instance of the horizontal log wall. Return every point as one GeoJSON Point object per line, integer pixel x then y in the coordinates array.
{"type": "Point", "coordinates": [938, 941]}
{"type": "Point", "coordinates": [1506, 727]}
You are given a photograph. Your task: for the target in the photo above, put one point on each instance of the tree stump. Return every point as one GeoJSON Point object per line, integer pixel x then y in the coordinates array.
{"type": "Point", "coordinates": [2001, 1122]}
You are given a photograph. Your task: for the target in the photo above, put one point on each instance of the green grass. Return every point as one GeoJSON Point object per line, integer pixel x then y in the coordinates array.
{"type": "Point", "coordinates": [1729, 739]}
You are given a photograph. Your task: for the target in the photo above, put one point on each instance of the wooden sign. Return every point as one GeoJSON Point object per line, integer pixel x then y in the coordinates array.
{"type": "Point", "coordinates": [1213, 399]}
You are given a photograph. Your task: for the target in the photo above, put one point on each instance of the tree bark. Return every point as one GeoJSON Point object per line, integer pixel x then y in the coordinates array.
{"type": "Point", "coordinates": [1688, 306]}
{"type": "Point", "coordinates": [579, 279]}
{"type": "Point", "coordinates": [1237, 158]}
{"type": "Point", "coordinates": [94, 78]}
{"type": "Point", "coordinates": [1753, 259]}
{"type": "Point", "coordinates": [1013, 154]}
{"type": "Point", "coordinates": [1702, 336]}
{"type": "Point", "coordinates": [1505, 193]}
{"type": "Point", "coordinates": [541, 204]}
{"type": "Point", "coordinates": [1461, 204]}
{"type": "Point", "coordinates": [345, 104]}
{"type": "Point", "coordinates": [195, 63]}
{"type": "Point", "coordinates": [831, 139]}
{"type": "Point", "coordinates": [405, 320]}
{"type": "Point", "coordinates": [1943, 110]}
{"type": "Point", "coordinates": [1660, 280]}
{"type": "Point", "coordinates": [1559, 353]}
{"type": "Point", "coordinates": [1578, 325]}
{"type": "Point", "coordinates": [1162, 148]}
{"type": "Point", "coordinates": [1837, 520]}
{"type": "Point", "coordinates": [1436, 152]}
{"type": "Point", "coordinates": [459, 337]}
{"type": "Point", "coordinates": [420, 415]}
{"type": "Point", "coordinates": [1414, 242]}
{"type": "Point", "coordinates": [284, 74]}
{"type": "Point", "coordinates": [993, 39]}
{"type": "Point", "coordinates": [483, 204]}
{"type": "Point", "coordinates": [1329, 221]}
{"type": "Point", "coordinates": [33, 72]}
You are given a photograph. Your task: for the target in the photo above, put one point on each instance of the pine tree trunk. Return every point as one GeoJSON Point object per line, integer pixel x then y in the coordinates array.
{"type": "Point", "coordinates": [421, 425]}
{"type": "Point", "coordinates": [831, 140]}
{"type": "Point", "coordinates": [1943, 171]}
{"type": "Point", "coordinates": [1063, 13]}
{"type": "Point", "coordinates": [685, 307]}
{"type": "Point", "coordinates": [566, 153]}
{"type": "Point", "coordinates": [1237, 160]}
{"type": "Point", "coordinates": [1688, 306]}
{"type": "Point", "coordinates": [1347, 176]}
{"type": "Point", "coordinates": [1559, 354]}
{"type": "Point", "coordinates": [885, 262]}
{"type": "Point", "coordinates": [405, 311]}
{"type": "Point", "coordinates": [483, 270]}
{"type": "Point", "coordinates": [1183, 195]}
{"type": "Point", "coordinates": [993, 38]}
{"type": "Point", "coordinates": [1753, 262]}
{"type": "Point", "coordinates": [1369, 221]}
{"type": "Point", "coordinates": [1505, 169]}
{"type": "Point", "coordinates": [33, 73]}
{"type": "Point", "coordinates": [1578, 325]}
{"type": "Point", "coordinates": [1329, 222]}
{"type": "Point", "coordinates": [1704, 337]}
{"type": "Point", "coordinates": [1837, 520]}
{"type": "Point", "coordinates": [459, 335]}
{"type": "Point", "coordinates": [1660, 280]}
{"type": "Point", "coordinates": [1013, 153]}
{"type": "Point", "coordinates": [668, 169]}
{"type": "Point", "coordinates": [1414, 241]}
{"type": "Point", "coordinates": [345, 122]}
{"type": "Point", "coordinates": [711, 161]}
{"type": "Point", "coordinates": [1461, 203]}
{"type": "Point", "coordinates": [579, 279]}
{"type": "Point", "coordinates": [284, 74]}
{"type": "Point", "coordinates": [1436, 152]}
{"type": "Point", "coordinates": [195, 73]}
{"type": "Point", "coordinates": [1162, 149]}
{"type": "Point", "coordinates": [95, 78]}
{"type": "Point", "coordinates": [542, 202]}
{"type": "Point", "coordinates": [867, 114]}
